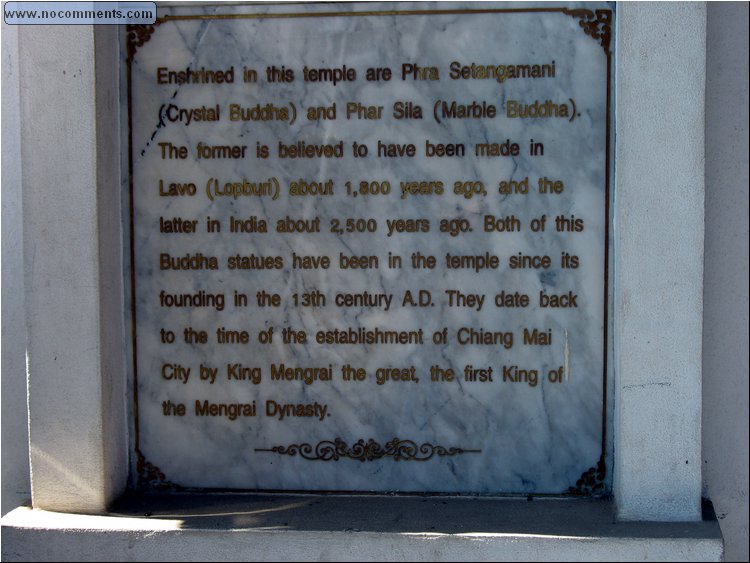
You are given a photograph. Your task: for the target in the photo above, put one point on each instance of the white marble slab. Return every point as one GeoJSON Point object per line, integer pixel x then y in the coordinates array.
{"type": "Point", "coordinates": [509, 437]}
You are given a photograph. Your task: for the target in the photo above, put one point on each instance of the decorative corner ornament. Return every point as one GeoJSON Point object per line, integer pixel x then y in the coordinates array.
{"type": "Point", "coordinates": [150, 476]}
{"type": "Point", "coordinates": [138, 35]}
{"type": "Point", "coordinates": [334, 450]}
{"type": "Point", "coordinates": [596, 24]}
{"type": "Point", "coordinates": [591, 483]}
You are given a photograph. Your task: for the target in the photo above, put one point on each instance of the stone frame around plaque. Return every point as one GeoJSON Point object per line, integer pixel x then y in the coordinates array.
{"type": "Point", "coordinates": [76, 355]}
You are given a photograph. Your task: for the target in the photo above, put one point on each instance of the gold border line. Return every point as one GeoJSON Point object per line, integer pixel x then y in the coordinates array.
{"type": "Point", "coordinates": [171, 17]}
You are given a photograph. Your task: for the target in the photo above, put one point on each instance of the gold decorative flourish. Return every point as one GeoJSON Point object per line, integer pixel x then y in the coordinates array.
{"type": "Point", "coordinates": [138, 35]}
{"type": "Point", "coordinates": [591, 482]}
{"type": "Point", "coordinates": [597, 24]}
{"type": "Point", "coordinates": [150, 476]}
{"type": "Point", "coordinates": [334, 450]}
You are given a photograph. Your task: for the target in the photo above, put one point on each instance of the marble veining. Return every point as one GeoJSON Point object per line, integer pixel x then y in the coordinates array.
{"type": "Point", "coordinates": [534, 435]}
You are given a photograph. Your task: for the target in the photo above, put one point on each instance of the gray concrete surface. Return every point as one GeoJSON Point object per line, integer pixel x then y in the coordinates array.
{"type": "Point", "coordinates": [335, 528]}
{"type": "Point", "coordinates": [725, 319]}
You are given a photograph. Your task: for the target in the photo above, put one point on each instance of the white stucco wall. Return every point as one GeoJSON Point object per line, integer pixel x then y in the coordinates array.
{"type": "Point", "coordinates": [657, 228]}
{"type": "Point", "coordinates": [72, 266]}
{"type": "Point", "coordinates": [15, 438]}
{"type": "Point", "coordinates": [725, 320]}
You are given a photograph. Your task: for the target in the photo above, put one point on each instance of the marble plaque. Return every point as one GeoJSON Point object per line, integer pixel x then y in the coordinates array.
{"type": "Point", "coordinates": [369, 247]}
